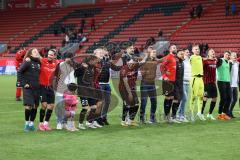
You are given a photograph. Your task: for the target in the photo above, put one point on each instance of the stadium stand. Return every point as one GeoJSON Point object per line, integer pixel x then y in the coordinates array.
{"type": "Point", "coordinates": [219, 31]}
{"type": "Point", "coordinates": [134, 22]}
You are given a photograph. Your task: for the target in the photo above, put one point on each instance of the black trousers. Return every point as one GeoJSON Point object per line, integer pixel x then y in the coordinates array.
{"type": "Point", "coordinates": [225, 96]}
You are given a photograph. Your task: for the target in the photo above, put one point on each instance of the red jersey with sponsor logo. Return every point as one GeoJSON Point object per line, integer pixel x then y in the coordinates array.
{"type": "Point", "coordinates": [19, 58]}
{"type": "Point", "coordinates": [168, 67]}
{"type": "Point", "coordinates": [209, 71]}
{"type": "Point", "coordinates": [46, 71]}
{"type": "Point", "coordinates": [130, 74]}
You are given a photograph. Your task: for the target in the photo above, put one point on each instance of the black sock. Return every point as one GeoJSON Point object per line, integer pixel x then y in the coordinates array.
{"type": "Point", "coordinates": [174, 109]}
{"type": "Point", "coordinates": [134, 111]}
{"type": "Point", "coordinates": [27, 114]}
{"type": "Point", "coordinates": [48, 115]}
{"type": "Point", "coordinates": [42, 115]}
{"type": "Point", "coordinates": [203, 106]}
{"type": "Point", "coordinates": [125, 111]}
{"type": "Point", "coordinates": [212, 106]}
{"type": "Point", "coordinates": [167, 106]}
{"type": "Point", "coordinates": [82, 115]}
{"type": "Point", "coordinates": [33, 114]}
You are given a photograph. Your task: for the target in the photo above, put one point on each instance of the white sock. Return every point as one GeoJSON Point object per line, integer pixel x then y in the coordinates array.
{"type": "Point", "coordinates": [31, 123]}
{"type": "Point", "coordinates": [45, 123]}
{"type": "Point", "coordinates": [26, 122]}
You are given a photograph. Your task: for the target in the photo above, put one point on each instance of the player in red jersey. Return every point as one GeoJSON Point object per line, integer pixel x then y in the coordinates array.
{"type": "Point", "coordinates": [209, 79]}
{"type": "Point", "coordinates": [168, 69]}
{"type": "Point", "coordinates": [127, 89]}
{"type": "Point", "coordinates": [18, 61]}
{"type": "Point", "coordinates": [48, 66]}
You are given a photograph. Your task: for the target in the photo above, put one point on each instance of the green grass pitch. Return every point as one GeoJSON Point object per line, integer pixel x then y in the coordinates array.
{"type": "Point", "coordinates": [189, 141]}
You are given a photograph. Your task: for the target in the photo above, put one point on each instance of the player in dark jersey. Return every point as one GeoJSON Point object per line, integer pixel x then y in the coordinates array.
{"type": "Point", "coordinates": [127, 89]}
{"type": "Point", "coordinates": [87, 91]}
{"type": "Point", "coordinates": [178, 85]}
{"type": "Point", "coordinates": [209, 79]}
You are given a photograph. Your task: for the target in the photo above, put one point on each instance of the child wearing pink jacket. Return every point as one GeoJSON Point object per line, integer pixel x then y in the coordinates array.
{"type": "Point", "coordinates": [70, 101]}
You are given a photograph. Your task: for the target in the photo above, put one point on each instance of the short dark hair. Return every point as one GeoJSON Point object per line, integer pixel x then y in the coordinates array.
{"type": "Point", "coordinates": [72, 87]}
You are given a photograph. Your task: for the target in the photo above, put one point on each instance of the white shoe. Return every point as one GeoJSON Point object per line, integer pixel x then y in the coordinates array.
{"type": "Point", "coordinates": [210, 116]}
{"type": "Point", "coordinates": [59, 126]}
{"type": "Point", "coordinates": [64, 126]}
{"type": "Point", "coordinates": [201, 117]}
{"type": "Point", "coordinates": [69, 126]}
{"type": "Point", "coordinates": [95, 123]}
{"type": "Point", "coordinates": [192, 118]}
{"type": "Point", "coordinates": [174, 120]}
{"type": "Point", "coordinates": [124, 123]}
{"type": "Point", "coordinates": [183, 119]}
{"type": "Point", "coordinates": [90, 125]}
{"type": "Point", "coordinates": [81, 126]}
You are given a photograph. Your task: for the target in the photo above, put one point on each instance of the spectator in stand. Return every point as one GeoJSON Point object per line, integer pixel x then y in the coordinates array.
{"type": "Point", "coordinates": [67, 38]}
{"type": "Point", "coordinates": [82, 24]}
{"type": "Point", "coordinates": [199, 10]}
{"type": "Point", "coordinates": [63, 28]}
{"type": "Point", "coordinates": [55, 31]}
{"type": "Point", "coordinates": [227, 8]}
{"type": "Point", "coordinates": [160, 35]}
{"type": "Point", "coordinates": [192, 12]}
{"type": "Point", "coordinates": [93, 24]}
{"type": "Point", "coordinates": [150, 41]}
{"type": "Point", "coordinates": [234, 9]}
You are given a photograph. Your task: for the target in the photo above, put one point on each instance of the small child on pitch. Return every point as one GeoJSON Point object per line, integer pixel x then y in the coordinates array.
{"type": "Point", "coordinates": [71, 101]}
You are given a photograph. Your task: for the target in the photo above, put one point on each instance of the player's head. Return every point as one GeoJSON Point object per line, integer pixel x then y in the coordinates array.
{"type": "Point", "coordinates": [233, 56]}
{"type": "Point", "coordinates": [180, 54]}
{"type": "Point", "coordinates": [130, 49]}
{"type": "Point", "coordinates": [68, 57]}
{"type": "Point", "coordinates": [195, 49]}
{"type": "Point", "coordinates": [211, 53]}
{"type": "Point", "coordinates": [51, 54]}
{"type": "Point", "coordinates": [173, 49]}
{"type": "Point", "coordinates": [152, 52]}
{"type": "Point", "coordinates": [32, 54]}
{"type": "Point", "coordinates": [92, 60]}
{"type": "Point", "coordinates": [99, 53]}
{"type": "Point", "coordinates": [72, 87]}
{"type": "Point", "coordinates": [226, 55]}
{"type": "Point", "coordinates": [186, 52]}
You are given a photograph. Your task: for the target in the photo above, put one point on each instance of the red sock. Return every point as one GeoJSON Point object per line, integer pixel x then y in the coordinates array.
{"type": "Point", "coordinates": [18, 92]}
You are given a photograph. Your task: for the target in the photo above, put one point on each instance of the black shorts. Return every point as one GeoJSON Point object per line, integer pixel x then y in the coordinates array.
{"type": "Point", "coordinates": [127, 101]}
{"type": "Point", "coordinates": [168, 88]}
{"type": "Point", "coordinates": [210, 90]}
{"type": "Point", "coordinates": [85, 101]}
{"type": "Point", "coordinates": [47, 95]}
{"type": "Point", "coordinates": [178, 91]}
{"type": "Point", "coordinates": [90, 92]}
{"type": "Point", "coordinates": [31, 97]}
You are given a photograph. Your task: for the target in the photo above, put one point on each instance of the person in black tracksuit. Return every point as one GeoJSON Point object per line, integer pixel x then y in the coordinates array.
{"type": "Point", "coordinates": [28, 76]}
{"type": "Point", "coordinates": [178, 86]}
{"type": "Point", "coordinates": [105, 85]}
